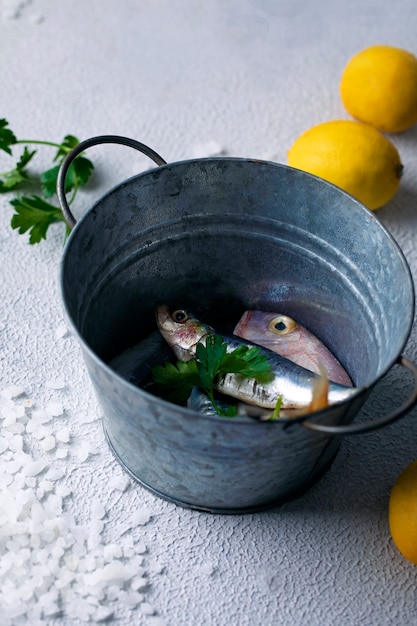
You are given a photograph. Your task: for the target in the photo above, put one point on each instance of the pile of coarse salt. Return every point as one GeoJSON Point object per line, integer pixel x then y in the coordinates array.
{"type": "Point", "coordinates": [50, 565]}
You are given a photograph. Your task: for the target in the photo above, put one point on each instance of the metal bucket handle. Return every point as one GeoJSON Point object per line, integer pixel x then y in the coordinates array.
{"type": "Point", "coordinates": [350, 429]}
{"type": "Point", "coordinates": [88, 143]}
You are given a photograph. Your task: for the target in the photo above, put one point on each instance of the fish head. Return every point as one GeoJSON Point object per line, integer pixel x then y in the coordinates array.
{"type": "Point", "coordinates": [274, 329]}
{"type": "Point", "coordinates": [282, 334]}
{"type": "Point", "coordinates": [181, 330]}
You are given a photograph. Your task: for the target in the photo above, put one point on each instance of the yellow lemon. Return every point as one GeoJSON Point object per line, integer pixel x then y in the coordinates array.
{"type": "Point", "coordinates": [402, 513]}
{"type": "Point", "coordinates": [353, 156]}
{"type": "Point", "coordinates": [379, 86]}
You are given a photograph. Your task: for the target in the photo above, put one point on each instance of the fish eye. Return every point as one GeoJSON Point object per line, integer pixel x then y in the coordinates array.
{"type": "Point", "coordinates": [180, 316]}
{"type": "Point", "coordinates": [282, 325]}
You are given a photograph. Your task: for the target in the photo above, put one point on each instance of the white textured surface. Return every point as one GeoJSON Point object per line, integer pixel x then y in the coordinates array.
{"type": "Point", "coordinates": [243, 77]}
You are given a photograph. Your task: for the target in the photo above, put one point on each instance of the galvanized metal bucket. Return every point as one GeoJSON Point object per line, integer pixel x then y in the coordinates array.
{"type": "Point", "coordinates": [218, 236]}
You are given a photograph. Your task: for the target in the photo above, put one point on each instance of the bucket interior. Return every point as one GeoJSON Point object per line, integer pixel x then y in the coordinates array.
{"type": "Point", "coordinates": [219, 236]}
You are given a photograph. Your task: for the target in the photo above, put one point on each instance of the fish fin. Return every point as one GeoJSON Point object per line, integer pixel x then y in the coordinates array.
{"type": "Point", "coordinates": [320, 399]}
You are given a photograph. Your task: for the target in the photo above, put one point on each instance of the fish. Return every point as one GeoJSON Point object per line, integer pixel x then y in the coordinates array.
{"type": "Point", "coordinates": [283, 335]}
{"type": "Point", "coordinates": [181, 330]}
{"type": "Point", "coordinates": [200, 402]}
{"type": "Point", "coordinates": [293, 383]}
{"type": "Point", "coordinates": [136, 362]}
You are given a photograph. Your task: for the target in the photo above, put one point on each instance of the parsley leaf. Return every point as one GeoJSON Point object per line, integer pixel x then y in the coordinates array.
{"type": "Point", "coordinates": [176, 381]}
{"type": "Point", "coordinates": [78, 174]}
{"type": "Point", "coordinates": [248, 362]}
{"type": "Point", "coordinates": [48, 181]}
{"type": "Point", "coordinates": [7, 137]}
{"type": "Point", "coordinates": [35, 215]}
{"type": "Point", "coordinates": [25, 158]}
{"type": "Point", "coordinates": [79, 171]}
{"type": "Point", "coordinates": [11, 179]}
{"type": "Point", "coordinates": [209, 360]}
{"type": "Point", "coordinates": [276, 412]}
{"type": "Point", "coordinates": [212, 361]}
{"type": "Point", "coordinates": [69, 142]}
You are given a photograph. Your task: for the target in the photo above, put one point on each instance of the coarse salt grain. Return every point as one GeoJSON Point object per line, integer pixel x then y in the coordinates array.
{"type": "Point", "coordinates": [113, 571]}
{"type": "Point", "coordinates": [14, 427]}
{"type": "Point", "coordinates": [35, 467]}
{"type": "Point", "coordinates": [46, 485]}
{"type": "Point", "coordinates": [140, 548]}
{"type": "Point", "coordinates": [97, 510]}
{"type": "Point", "coordinates": [12, 466]}
{"type": "Point", "coordinates": [5, 480]}
{"type": "Point", "coordinates": [83, 453]}
{"type": "Point", "coordinates": [85, 450]}
{"type": "Point", "coordinates": [54, 409]}
{"type": "Point", "coordinates": [155, 567]}
{"type": "Point", "coordinates": [10, 415]}
{"type": "Point", "coordinates": [48, 443]}
{"type": "Point", "coordinates": [157, 621]}
{"type": "Point", "coordinates": [61, 331]}
{"type": "Point", "coordinates": [71, 562]}
{"type": "Point", "coordinates": [47, 552]}
{"type": "Point", "coordinates": [63, 491]}
{"type": "Point", "coordinates": [206, 569]}
{"type": "Point", "coordinates": [111, 551]}
{"type": "Point", "coordinates": [56, 383]}
{"type": "Point", "coordinates": [61, 453]}
{"type": "Point", "coordinates": [96, 526]}
{"type": "Point", "coordinates": [40, 416]}
{"type": "Point", "coordinates": [5, 403]}
{"type": "Point", "coordinates": [63, 435]}
{"type": "Point", "coordinates": [112, 592]}
{"type": "Point", "coordinates": [136, 562]}
{"type": "Point", "coordinates": [54, 473]}
{"type": "Point", "coordinates": [93, 542]}
{"type": "Point", "coordinates": [53, 505]}
{"type": "Point", "coordinates": [12, 392]}
{"type": "Point", "coordinates": [37, 431]}
{"type": "Point", "coordinates": [141, 517]}
{"type": "Point", "coordinates": [87, 419]}
{"type": "Point", "coordinates": [207, 149]}
{"type": "Point", "coordinates": [147, 609]}
{"type": "Point", "coordinates": [120, 483]}
{"type": "Point", "coordinates": [131, 598]}
{"type": "Point", "coordinates": [103, 614]}
{"type": "Point", "coordinates": [139, 583]}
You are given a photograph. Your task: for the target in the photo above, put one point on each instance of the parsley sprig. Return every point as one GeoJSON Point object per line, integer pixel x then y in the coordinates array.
{"type": "Point", "coordinates": [211, 363]}
{"type": "Point", "coordinates": [35, 213]}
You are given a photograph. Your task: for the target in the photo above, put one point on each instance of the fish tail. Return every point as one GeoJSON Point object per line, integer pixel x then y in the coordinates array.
{"type": "Point", "coordinates": [320, 399]}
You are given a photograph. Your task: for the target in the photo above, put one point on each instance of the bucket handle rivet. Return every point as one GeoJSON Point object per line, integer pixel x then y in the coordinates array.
{"type": "Point", "coordinates": [353, 429]}
{"type": "Point", "coordinates": [84, 145]}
